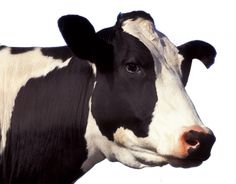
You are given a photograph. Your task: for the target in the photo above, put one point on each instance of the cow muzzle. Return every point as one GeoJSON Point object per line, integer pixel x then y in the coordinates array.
{"type": "Point", "coordinates": [195, 147]}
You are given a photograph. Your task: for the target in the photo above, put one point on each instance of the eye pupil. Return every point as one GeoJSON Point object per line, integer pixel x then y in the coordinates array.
{"type": "Point", "coordinates": [132, 68]}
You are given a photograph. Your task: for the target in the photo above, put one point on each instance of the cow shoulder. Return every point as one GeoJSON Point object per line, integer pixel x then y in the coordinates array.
{"type": "Point", "coordinates": [40, 89]}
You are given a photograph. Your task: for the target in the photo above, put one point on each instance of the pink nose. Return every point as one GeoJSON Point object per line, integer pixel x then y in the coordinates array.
{"type": "Point", "coordinates": [197, 143]}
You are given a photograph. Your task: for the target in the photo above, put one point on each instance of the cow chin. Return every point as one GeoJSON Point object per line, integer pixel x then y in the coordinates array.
{"type": "Point", "coordinates": [142, 155]}
{"type": "Point", "coordinates": [184, 163]}
{"type": "Point", "coordinates": [152, 160]}
{"type": "Point", "coordinates": [146, 158]}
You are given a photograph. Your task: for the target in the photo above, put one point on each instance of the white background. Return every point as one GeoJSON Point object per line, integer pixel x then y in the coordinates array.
{"type": "Point", "coordinates": [34, 23]}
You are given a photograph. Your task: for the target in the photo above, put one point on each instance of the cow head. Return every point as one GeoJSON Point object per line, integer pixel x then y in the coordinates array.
{"type": "Point", "coordinates": [139, 102]}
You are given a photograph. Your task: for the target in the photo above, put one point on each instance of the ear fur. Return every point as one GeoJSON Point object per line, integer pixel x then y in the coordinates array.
{"type": "Point", "coordinates": [80, 36]}
{"type": "Point", "coordinates": [195, 50]}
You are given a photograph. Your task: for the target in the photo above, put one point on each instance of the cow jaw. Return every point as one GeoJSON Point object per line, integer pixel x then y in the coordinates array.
{"type": "Point", "coordinates": [141, 148]}
{"type": "Point", "coordinates": [126, 148]}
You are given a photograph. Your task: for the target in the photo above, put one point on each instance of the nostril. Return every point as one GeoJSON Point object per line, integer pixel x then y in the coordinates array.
{"type": "Point", "coordinates": [192, 142]}
{"type": "Point", "coordinates": [191, 139]}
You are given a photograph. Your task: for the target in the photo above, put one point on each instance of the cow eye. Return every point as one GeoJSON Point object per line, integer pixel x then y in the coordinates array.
{"type": "Point", "coordinates": [132, 68]}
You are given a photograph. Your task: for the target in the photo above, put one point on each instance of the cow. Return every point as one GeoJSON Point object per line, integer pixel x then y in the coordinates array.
{"type": "Point", "coordinates": [118, 93]}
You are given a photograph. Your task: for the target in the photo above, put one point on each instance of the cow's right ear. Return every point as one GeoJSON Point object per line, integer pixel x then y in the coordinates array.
{"type": "Point", "coordinates": [81, 38]}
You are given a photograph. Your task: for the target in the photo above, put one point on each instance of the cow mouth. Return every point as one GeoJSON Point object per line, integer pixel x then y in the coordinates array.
{"type": "Point", "coordinates": [184, 163]}
{"type": "Point", "coordinates": [173, 161]}
{"type": "Point", "coordinates": [164, 159]}
{"type": "Point", "coordinates": [192, 160]}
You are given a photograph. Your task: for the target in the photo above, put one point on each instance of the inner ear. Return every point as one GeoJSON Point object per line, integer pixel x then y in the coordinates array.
{"type": "Point", "coordinates": [196, 49]}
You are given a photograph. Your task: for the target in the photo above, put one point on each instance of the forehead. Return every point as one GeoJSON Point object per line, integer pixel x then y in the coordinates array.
{"type": "Point", "coordinates": [131, 47]}
{"type": "Point", "coordinates": [162, 50]}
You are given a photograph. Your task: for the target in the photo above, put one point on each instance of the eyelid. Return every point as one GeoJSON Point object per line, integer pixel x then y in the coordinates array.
{"type": "Point", "coordinates": [133, 68]}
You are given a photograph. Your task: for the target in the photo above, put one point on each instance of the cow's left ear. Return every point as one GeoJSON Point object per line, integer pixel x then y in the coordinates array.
{"type": "Point", "coordinates": [195, 50]}
{"type": "Point", "coordinates": [81, 38]}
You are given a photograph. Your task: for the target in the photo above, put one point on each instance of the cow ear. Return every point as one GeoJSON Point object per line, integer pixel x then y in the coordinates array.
{"type": "Point", "coordinates": [78, 34]}
{"type": "Point", "coordinates": [195, 50]}
{"type": "Point", "coordinates": [81, 38]}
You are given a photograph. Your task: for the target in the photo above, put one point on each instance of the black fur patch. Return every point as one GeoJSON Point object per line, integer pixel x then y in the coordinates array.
{"type": "Point", "coordinates": [20, 50]}
{"type": "Point", "coordinates": [122, 99]}
{"type": "Point", "coordinates": [62, 53]}
{"type": "Point", "coordinates": [2, 47]}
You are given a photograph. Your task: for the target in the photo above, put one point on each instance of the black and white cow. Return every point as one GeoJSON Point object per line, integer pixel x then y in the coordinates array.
{"type": "Point", "coordinates": [117, 94]}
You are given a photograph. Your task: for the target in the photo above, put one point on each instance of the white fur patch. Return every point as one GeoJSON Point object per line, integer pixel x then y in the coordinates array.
{"type": "Point", "coordinates": [15, 71]}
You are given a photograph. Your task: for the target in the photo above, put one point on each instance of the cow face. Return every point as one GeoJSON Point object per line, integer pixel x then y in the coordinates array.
{"type": "Point", "coordinates": [141, 111]}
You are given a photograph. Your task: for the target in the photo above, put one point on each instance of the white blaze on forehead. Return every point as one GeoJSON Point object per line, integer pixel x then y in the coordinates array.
{"type": "Point", "coordinates": [162, 50]}
{"type": "Point", "coordinates": [174, 110]}
{"type": "Point", "coordinates": [15, 71]}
